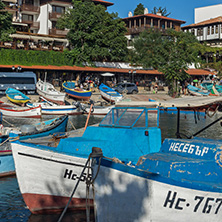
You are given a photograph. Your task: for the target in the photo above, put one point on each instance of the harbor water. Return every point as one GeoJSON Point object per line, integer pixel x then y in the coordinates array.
{"type": "Point", "coordinates": [12, 206]}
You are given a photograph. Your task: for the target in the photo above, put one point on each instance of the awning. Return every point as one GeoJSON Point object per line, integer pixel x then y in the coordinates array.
{"type": "Point", "coordinates": [18, 36]}
{"type": "Point", "coordinates": [107, 74]}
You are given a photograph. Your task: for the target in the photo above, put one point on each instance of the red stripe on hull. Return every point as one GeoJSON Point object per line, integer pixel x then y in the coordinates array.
{"type": "Point", "coordinates": [11, 173]}
{"type": "Point", "coordinates": [40, 203]}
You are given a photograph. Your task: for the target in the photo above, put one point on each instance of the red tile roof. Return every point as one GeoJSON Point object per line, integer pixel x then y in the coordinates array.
{"type": "Point", "coordinates": [206, 22]}
{"type": "Point", "coordinates": [197, 72]}
{"type": "Point", "coordinates": [104, 2]}
{"type": "Point", "coordinates": [154, 16]}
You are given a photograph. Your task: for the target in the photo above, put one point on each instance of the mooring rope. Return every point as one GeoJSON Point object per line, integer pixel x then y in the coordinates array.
{"type": "Point", "coordinates": [96, 152]}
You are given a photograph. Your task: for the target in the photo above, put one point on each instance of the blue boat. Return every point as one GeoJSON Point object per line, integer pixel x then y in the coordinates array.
{"type": "Point", "coordinates": [180, 182]}
{"type": "Point", "coordinates": [195, 91]}
{"type": "Point", "coordinates": [109, 94]}
{"type": "Point", "coordinates": [75, 92]}
{"type": "Point", "coordinates": [16, 96]}
{"type": "Point", "coordinates": [49, 127]}
{"type": "Point", "coordinates": [124, 133]}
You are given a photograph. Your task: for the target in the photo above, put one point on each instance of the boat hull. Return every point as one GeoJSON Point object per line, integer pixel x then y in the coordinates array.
{"type": "Point", "coordinates": [44, 193]}
{"type": "Point", "coordinates": [7, 167]}
{"type": "Point", "coordinates": [53, 98]}
{"type": "Point", "coordinates": [34, 112]}
{"type": "Point", "coordinates": [80, 95]}
{"type": "Point", "coordinates": [60, 110]}
{"type": "Point", "coordinates": [142, 197]}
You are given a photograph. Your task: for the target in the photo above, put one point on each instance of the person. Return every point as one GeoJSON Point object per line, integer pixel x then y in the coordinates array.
{"type": "Point", "coordinates": [156, 87]}
{"type": "Point", "coordinates": [185, 87]}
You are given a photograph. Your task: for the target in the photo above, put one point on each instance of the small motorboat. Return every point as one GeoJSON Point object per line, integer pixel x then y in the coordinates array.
{"type": "Point", "coordinates": [16, 96]}
{"type": "Point", "coordinates": [76, 92]}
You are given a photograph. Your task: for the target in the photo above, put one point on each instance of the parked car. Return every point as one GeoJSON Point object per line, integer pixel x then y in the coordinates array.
{"type": "Point", "coordinates": [126, 87]}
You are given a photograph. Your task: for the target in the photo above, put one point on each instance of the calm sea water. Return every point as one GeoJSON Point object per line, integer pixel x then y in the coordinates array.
{"type": "Point", "coordinates": [12, 206]}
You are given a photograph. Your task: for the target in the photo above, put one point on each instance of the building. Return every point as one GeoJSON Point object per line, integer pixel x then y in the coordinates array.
{"type": "Point", "coordinates": [208, 25]}
{"type": "Point", "coordinates": [35, 22]}
{"type": "Point", "coordinates": [137, 24]}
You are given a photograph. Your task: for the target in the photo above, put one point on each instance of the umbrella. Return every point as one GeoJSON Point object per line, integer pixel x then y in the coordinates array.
{"type": "Point", "coordinates": [107, 74]}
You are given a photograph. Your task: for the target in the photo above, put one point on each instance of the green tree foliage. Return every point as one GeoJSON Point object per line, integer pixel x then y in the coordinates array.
{"type": "Point", "coordinates": [5, 24]}
{"type": "Point", "coordinates": [94, 34]}
{"type": "Point", "coordinates": [161, 10]}
{"type": "Point", "coordinates": [170, 53]}
{"type": "Point", "coordinates": [139, 10]}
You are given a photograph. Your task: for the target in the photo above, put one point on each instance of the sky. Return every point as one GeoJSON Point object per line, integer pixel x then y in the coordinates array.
{"type": "Point", "coordinates": [179, 9]}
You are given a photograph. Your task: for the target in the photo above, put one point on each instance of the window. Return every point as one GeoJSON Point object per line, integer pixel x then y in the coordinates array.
{"type": "Point", "coordinates": [212, 30]}
{"type": "Point", "coordinates": [193, 31]}
{"type": "Point", "coordinates": [27, 17]}
{"type": "Point", "coordinates": [58, 9]}
{"type": "Point", "coordinates": [216, 29]}
{"type": "Point", "coordinates": [208, 30]}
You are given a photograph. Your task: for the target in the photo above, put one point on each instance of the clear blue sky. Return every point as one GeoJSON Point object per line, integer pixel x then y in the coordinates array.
{"type": "Point", "coordinates": [179, 9]}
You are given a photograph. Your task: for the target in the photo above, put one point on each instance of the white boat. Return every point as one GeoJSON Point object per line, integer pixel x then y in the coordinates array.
{"type": "Point", "coordinates": [23, 112]}
{"type": "Point", "coordinates": [48, 91]}
{"type": "Point", "coordinates": [47, 175]}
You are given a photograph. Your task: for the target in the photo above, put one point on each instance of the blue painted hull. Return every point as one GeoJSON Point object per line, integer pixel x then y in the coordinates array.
{"type": "Point", "coordinates": [75, 92]}
{"type": "Point", "coordinates": [7, 166]}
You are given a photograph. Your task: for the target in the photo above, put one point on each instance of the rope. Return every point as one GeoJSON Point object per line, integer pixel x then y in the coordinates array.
{"type": "Point", "coordinates": [72, 124]}
{"type": "Point", "coordinates": [208, 109]}
{"type": "Point", "coordinates": [8, 122]}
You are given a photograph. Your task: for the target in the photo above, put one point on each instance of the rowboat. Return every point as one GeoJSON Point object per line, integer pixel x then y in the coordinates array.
{"type": "Point", "coordinates": [49, 108]}
{"type": "Point", "coordinates": [58, 169]}
{"type": "Point", "coordinates": [75, 92]}
{"type": "Point", "coordinates": [16, 96]}
{"type": "Point", "coordinates": [24, 133]}
{"type": "Point", "coordinates": [109, 94]}
{"type": "Point", "coordinates": [22, 112]}
{"type": "Point", "coordinates": [195, 91]}
{"type": "Point", "coordinates": [48, 91]}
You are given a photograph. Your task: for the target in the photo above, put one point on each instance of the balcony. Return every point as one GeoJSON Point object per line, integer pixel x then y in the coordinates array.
{"type": "Point", "coordinates": [137, 30]}
{"type": "Point", "coordinates": [35, 25]}
{"type": "Point", "coordinates": [54, 16]}
{"type": "Point", "coordinates": [30, 9]}
{"type": "Point", "coordinates": [58, 32]}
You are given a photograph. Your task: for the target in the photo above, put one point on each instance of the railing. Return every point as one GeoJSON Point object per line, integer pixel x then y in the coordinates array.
{"type": "Point", "coordinates": [58, 32]}
{"type": "Point", "coordinates": [54, 15]}
{"type": "Point", "coordinates": [35, 25]}
{"type": "Point", "coordinates": [30, 8]}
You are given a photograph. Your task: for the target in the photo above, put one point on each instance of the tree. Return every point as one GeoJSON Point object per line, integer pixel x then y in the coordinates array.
{"type": "Point", "coordinates": [170, 53]}
{"type": "Point", "coordinates": [5, 24]}
{"type": "Point", "coordinates": [94, 34]}
{"type": "Point", "coordinates": [161, 10]}
{"type": "Point", "coordinates": [139, 10]}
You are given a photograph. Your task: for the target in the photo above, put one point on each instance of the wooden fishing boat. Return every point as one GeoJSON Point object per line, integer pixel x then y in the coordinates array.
{"type": "Point", "coordinates": [109, 94]}
{"type": "Point", "coordinates": [22, 112]}
{"type": "Point", "coordinates": [195, 91]}
{"type": "Point", "coordinates": [58, 169]}
{"type": "Point", "coordinates": [48, 91]}
{"type": "Point", "coordinates": [24, 133]}
{"type": "Point", "coordinates": [16, 96]}
{"type": "Point", "coordinates": [75, 92]}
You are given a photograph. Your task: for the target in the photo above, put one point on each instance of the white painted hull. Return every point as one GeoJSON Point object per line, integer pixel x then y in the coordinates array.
{"type": "Point", "coordinates": [22, 112]}
{"type": "Point", "coordinates": [99, 110]}
{"type": "Point", "coordinates": [46, 179]}
{"type": "Point", "coordinates": [125, 197]}
{"type": "Point", "coordinates": [109, 98]}
{"type": "Point", "coordinates": [55, 96]}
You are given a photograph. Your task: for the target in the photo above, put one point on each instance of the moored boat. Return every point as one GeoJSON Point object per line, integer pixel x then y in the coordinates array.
{"type": "Point", "coordinates": [16, 96]}
{"type": "Point", "coordinates": [195, 91]}
{"type": "Point", "coordinates": [49, 92]}
{"type": "Point", "coordinates": [76, 92]}
{"type": "Point", "coordinates": [109, 94]}
{"type": "Point", "coordinates": [181, 182]}
{"type": "Point", "coordinates": [125, 133]}
{"type": "Point", "coordinates": [25, 132]}
{"type": "Point", "coordinates": [22, 112]}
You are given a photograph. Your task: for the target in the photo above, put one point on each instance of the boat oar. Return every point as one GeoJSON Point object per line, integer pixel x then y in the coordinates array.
{"type": "Point", "coordinates": [88, 117]}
